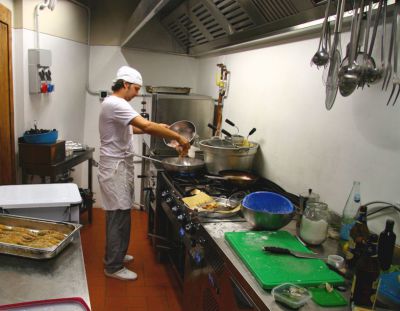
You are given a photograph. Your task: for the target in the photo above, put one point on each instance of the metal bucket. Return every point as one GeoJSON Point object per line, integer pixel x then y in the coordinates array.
{"type": "Point", "coordinates": [218, 156]}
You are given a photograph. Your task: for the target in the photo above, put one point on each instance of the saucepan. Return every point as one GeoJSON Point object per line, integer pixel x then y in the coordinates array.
{"type": "Point", "coordinates": [178, 164]}
{"type": "Point", "coordinates": [236, 177]}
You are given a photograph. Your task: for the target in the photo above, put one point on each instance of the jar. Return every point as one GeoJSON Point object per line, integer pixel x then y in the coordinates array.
{"type": "Point", "coordinates": [308, 196]}
{"type": "Point", "coordinates": [314, 223]}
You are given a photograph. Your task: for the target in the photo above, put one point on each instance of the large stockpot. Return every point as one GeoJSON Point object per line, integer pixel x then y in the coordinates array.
{"type": "Point", "coordinates": [220, 155]}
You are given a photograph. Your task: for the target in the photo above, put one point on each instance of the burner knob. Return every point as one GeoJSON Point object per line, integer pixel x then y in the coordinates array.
{"type": "Point", "coordinates": [191, 228]}
{"type": "Point", "coordinates": [176, 209]}
{"type": "Point", "coordinates": [168, 200]}
{"type": "Point", "coordinates": [198, 256]}
{"type": "Point", "coordinates": [182, 217]}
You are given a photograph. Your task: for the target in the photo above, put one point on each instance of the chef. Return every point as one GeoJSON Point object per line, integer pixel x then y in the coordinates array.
{"type": "Point", "coordinates": [117, 123]}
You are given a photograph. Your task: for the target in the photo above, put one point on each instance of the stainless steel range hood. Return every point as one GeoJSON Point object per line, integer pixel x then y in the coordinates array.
{"type": "Point", "coordinates": [196, 27]}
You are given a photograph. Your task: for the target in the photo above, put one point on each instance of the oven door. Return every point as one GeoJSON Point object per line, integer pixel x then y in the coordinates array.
{"type": "Point", "coordinates": [209, 285]}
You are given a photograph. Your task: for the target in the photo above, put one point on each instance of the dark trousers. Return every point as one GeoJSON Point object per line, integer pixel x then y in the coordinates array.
{"type": "Point", "coordinates": [118, 229]}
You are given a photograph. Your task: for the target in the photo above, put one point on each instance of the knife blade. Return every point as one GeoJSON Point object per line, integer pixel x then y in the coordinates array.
{"type": "Point", "coordinates": [286, 251]}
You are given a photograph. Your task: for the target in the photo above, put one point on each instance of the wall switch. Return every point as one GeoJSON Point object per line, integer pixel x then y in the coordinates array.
{"type": "Point", "coordinates": [39, 61]}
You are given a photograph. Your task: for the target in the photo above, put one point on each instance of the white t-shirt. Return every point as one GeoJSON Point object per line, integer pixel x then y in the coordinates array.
{"type": "Point", "coordinates": [115, 133]}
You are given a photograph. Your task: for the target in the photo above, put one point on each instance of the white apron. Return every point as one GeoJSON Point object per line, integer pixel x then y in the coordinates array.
{"type": "Point", "coordinates": [116, 179]}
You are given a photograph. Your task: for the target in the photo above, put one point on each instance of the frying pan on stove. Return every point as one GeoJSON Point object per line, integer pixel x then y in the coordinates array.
{"type": "Point", "coordinates": [178, 164]}
{"type": "Point", "coordinates": [236, 177]}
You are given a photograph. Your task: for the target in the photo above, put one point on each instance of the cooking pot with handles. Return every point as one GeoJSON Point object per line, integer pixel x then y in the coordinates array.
{"type": "Point", "coordinates": [220, 156]}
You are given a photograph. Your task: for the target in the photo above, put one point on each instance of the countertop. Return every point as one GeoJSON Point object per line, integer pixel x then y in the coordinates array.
{"type": "Point", "coordinates": [217, 230]}
{"type": "Point", "coordinates": [60, 277]}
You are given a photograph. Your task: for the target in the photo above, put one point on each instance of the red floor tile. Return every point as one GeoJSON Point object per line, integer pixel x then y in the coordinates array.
{"type": "Point", "coordinates": [154, 289]}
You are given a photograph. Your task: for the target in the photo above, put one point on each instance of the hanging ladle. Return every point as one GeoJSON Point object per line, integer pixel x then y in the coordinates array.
{"type": "Point", "coordinates": [349, 75]}
{"type": "Point", "coordinates": [321, 57]}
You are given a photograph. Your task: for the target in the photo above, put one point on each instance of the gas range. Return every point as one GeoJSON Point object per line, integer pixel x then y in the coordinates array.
{"type": "Point", "coordinates": [177, 186]}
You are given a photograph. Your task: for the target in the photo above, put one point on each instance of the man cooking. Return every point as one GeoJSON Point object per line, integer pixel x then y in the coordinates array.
{"type": "Point", "coordinates": [117, 123]}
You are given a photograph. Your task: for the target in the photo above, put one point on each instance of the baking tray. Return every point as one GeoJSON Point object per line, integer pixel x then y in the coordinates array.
{"type": "Point", "coordinates": [168, 90]}
{"type": "Point", "coordinates": [59, 304]}
{"type": "Point", "coordinates": [68, 229]}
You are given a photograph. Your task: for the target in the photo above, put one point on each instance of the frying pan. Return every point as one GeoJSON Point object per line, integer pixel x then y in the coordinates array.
{"type": "Point", "coordinates": [177, 164]}
{"type": "Point", "coordinates": [235, 177]}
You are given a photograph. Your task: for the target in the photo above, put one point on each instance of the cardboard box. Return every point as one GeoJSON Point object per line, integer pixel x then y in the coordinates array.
{"type": "Point", "coordinates": [42, 153]}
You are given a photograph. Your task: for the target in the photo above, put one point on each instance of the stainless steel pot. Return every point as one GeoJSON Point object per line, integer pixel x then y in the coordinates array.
{"type": "Point", "coordinates": [220, 156]}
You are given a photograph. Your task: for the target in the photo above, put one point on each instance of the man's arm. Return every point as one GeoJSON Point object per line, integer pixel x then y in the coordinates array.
{"type": "Point", "coordinates": [142, 125]}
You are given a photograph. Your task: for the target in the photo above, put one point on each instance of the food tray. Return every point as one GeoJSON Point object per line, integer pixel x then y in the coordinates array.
{"type": "Point", "coordinates": [68, 229]}
{"type": "Point", "coordinates": [168, 90]}
{"type": "Point", "coordinates": [60, 304]}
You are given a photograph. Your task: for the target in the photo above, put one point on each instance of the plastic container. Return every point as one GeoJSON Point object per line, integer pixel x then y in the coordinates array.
{"type": "Point", "coordinates": [42, 138]}
{"type": "Point", "coordinates": [291, 295]}
{"type": "Point", "coordinates": [267, 210]}
{"type": "Point", "coordinates": [389, 289]}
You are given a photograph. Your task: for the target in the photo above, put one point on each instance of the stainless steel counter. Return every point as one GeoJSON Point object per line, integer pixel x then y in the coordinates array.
{"type": "Point", "coordinates": [61, 277]}
{"type": "Point", "coordinates": [217, 230]}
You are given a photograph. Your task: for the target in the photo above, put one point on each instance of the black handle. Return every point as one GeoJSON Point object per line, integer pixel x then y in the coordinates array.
{"type": "Point", "coordinates": [212, 126]}
{"type": "Point", "coordinates": [226, 133]}
{"type": "Point", "coordinates": [252, 131]}
{"type": "Point", "coordinates": [229, 122]}
{"type": "Point", "coordinates": [142, 176]}
{"type": "Point", "coordinates": [277, 250]}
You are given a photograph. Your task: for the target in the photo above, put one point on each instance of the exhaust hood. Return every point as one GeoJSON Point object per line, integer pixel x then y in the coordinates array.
{"type": "Point", "coordinates": [197, 27]}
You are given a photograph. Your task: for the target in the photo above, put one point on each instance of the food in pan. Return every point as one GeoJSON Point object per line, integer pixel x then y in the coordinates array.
{"type": "Point", "coordinates": [200, 198]}
{"type": "Point", "coordinates": [30, 237]}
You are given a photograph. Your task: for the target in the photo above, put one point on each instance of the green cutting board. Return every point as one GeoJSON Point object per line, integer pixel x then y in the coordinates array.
{"type": "Point", "coordinates": [271, 270]}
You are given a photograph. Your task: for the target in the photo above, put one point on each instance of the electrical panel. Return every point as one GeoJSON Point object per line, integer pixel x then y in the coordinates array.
{"type": "Point", "coordinates": [39, 62]}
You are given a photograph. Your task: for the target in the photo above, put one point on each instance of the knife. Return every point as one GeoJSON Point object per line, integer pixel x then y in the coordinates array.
{"type": "Point", "coordinates": [286, 251]}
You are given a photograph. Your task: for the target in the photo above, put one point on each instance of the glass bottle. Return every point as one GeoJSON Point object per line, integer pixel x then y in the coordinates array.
{"type": "Point", "coordinates": [350, 211]}
{"type": "Point", "coordinates": [366, 277]}
{"type": "Point", "coordinates": [358, 237]}
{"type": "Point", "coordinates": [314, 223]}
{"type": "Point", "coordinates": [387, 239]}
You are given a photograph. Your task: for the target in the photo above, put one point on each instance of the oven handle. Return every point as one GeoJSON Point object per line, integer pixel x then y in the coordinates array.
{"type": "Point", "coordinates": [243, 301]}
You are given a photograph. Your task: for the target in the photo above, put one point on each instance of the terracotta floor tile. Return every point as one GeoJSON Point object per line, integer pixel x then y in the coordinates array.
{"type": "Point", "coordinates": [154, 290]}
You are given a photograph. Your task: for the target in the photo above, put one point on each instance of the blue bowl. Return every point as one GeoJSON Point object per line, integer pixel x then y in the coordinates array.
{"type": "Point", "coordinates": [43, 138]}
{"type": "Point", "coordinates": [267, 210]}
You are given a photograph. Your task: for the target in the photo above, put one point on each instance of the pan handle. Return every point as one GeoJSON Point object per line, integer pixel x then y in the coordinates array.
{"type": "Point", "coordinates": [215, 177]}
{"type": "Point", "coordinates": [229, 122]}
{"type": "Point", "coordinates": [147, 158]}
{"type": "Point", "coordinates": [226, 133]}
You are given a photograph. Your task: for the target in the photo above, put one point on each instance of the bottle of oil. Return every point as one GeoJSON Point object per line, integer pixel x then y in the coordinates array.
{"type": "Point", "coordinates": [387, 239]}
{"type": "Point", "coordinates": [359, 234]}
{"type": "Point", "coordinates": [366, 277]}
{"type": "Point", "coordinates": [350, 211]}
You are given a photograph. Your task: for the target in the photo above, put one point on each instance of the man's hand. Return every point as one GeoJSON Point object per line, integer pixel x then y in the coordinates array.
{"type": "Point", "coordinates": [183, 147]}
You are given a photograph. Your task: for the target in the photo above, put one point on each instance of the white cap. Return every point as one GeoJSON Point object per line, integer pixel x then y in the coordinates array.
{"type": "Point", "coordinates": [130, 75]}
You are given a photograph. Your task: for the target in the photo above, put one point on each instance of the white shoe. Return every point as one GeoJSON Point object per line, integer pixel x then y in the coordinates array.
{"type": "Point", "coordinates": [123, 274]}
{"type": "Point", "coordinates": [128, 258]}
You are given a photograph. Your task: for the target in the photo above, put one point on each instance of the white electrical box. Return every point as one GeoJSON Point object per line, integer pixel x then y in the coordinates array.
{"type": "Point", "coordinates": [39, 62]}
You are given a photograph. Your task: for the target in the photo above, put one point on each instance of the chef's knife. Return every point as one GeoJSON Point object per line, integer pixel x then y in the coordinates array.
{"type": "Point", "coordinates": [285, 251]}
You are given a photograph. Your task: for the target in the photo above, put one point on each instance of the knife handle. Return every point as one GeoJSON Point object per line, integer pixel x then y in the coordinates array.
{"type": "Point", "coordinates": [277, 250]}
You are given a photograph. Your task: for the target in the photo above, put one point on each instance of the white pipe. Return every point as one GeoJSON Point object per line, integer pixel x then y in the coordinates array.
{"type": "Point", "coordinates": [41, 6]}
{"type": "Point", "coordinates": [91, 92]}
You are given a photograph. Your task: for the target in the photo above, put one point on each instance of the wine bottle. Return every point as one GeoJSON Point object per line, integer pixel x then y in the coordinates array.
{"type": "Point", "coordinates": [350, 211]}
{"type": "Point", "coordinates": [366, 277]}
{"type": "Point", "coordinates": [387, 239]}
{"type": "Point", "coordinates": [358, 237]}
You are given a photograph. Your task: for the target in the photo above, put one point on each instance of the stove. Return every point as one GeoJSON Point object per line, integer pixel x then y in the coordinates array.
{"type": "Point", "coordinates": [176, 231]}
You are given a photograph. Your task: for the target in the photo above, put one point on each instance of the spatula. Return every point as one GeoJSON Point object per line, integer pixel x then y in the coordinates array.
{"type": "Point", "coordinates": [286, 251]}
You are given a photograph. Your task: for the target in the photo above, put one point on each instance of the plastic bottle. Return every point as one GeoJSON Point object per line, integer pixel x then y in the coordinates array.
{"type": "Point", "coordinates": [366, 278]}
{"type": "Point", "coordinates": [350, 211]}
{"type": "Point", "coordinates": [387, 239]}
{"type": "Point", "coordinates": [359, 234]}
